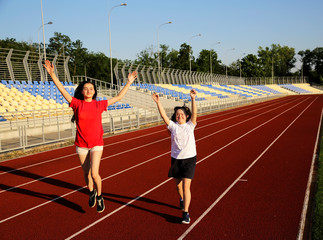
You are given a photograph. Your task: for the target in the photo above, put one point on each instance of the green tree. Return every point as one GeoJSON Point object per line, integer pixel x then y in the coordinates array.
{"type": "Point", "coordinates": [306, 59]}
{"type": "Point", "coordinates": [207, 57]}
{"type": "Point", "coordinates": [12, 43]}
{"type": "Point", "coordinates": [147, 57]}
{"type": "Point", "coordinates": [78, 58]}
{"type": "Point", "coordinates": [173, 61]}
{"type": "Point", "coordinates": [60, 44]}
{"type": "Point", "coordinates": [312, 64]}
{"type": "Point", "coordinates": [251, 66]}
{"type": "Point", "coordinates": [277, 60]}
{"type": "Point", "coordinates": [163, 55]}
{"type": "Point", "coordinates": [97, 65]}
{"type": "Point", "coordinates": [318, 64]}
{"type": "Point", "coordinates": [183, 57]}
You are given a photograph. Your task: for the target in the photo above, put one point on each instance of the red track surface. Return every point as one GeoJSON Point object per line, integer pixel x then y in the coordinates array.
{"type": "Point", "coordinates": [251, 180]}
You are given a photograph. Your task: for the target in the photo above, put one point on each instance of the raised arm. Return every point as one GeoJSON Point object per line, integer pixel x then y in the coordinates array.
{"type": "Point", "coordinates": [131, 77]}
{"type": "Point", "coordinates": [161, 109]}
{"type": "Point", "coordinates": [50, 69]}
{"type": "Point", "coordinates": [194, 110]}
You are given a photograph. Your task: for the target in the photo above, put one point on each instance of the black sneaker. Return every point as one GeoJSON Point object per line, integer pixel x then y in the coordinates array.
{"type": "Point", "coordinates": [100, 207]}
{"type": "Point", "coordinates": [92, 200]}
{"type": "Point", "coordinates": [186, 218]}
{"type": "Point", "coordinates": [181, 205]}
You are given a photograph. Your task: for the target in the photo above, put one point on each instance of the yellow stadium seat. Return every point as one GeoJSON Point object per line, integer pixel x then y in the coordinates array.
{"type": "Point", "coordinates": [65, 105]}
{"type": "Point", "coordinates": [5, 104]}
{"type": "Point", "coordinates": [9, 99]}
{"type": "Point", "coordinates": [14, 103]}
{"type": "Point", "coordinates": [37, 107]}
{"type": "Point", "coordinates": [11, 109]}
{"type": "Point", "coordinates": [23, 103]}
{"type": "Point", "coordinates": [31, 102]}
{"type": "Point", "coordinates": [38, 102]}
{"type": "Point", "coordinates": [28, 108]}
{"type": "Point", "coordinates": [20, 108]}
{"type": "Point", "coordinates": [2, 110]}
{"type": "Point", "coordinates": [52, 101]}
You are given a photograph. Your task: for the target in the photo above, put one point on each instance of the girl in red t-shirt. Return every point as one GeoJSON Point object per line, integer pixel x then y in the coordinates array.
{"type": "Point", "coordinates": [89, 135]}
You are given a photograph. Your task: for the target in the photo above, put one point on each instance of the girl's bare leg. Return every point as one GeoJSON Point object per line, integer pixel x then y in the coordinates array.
{"type": "Point", "coordinates": [86, 166]}
{"type": "Point", "coordinates": [179, 186]}
{"type": "Point", "coordinates": [95, 164]}
{"type": "Point", "coordinates": [187, 193]}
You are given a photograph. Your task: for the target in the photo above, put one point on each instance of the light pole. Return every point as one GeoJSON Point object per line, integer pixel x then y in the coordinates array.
{"type": "Point", "coordinates": [240, 62]}
{"type": "Point", "coordinates": [189, 49]}
{"type": "Point", "coordinates": [111, 71]}
{"type": "Point", "coordinates": [226, 67]}
{"type": "Point", "coordinates": [159, 65]}
{"type": "Point", "coordinates": [63, 58]}
{"type": "Point", "coordinates": [42, 19]}
{"type": "Point", "coordinates": [211, 56]}
{"type": "Point", "coordinates": [38, 37]}
{"type": "Point", "coordinates": [302, 74]}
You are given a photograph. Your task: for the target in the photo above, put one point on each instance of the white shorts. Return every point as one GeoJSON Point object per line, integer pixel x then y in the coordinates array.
{"type": "Point", "coordinates": [84, 151]}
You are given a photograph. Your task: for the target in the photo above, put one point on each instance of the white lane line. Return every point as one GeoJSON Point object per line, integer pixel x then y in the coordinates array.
{"type": "Point", "coordinates": [142, 146]}
{"type": "Point", "coordinates": [117, 210]}
{"type": "Point", "coordinates": [71, 169]}
{"type": "Point", "coordinates": [130, 139]}
{"type": "Point", "coordinates": [133, 200]}
{"type": "Point", "coordinates": [79, 189]}
{"type": "Point", "coordinates": [309, 183]}
{"type": "Point", "coordinates": [237, 179]}
{"type": "Point", "coordinates": [45, 203]}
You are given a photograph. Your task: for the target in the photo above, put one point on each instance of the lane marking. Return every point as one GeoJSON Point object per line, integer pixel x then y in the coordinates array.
{"type": "Point", "coordinates": [140, 136]}
{"type": "Point", "coordinates": [133, 200]}
{"type": "Point", "coordinates": [45, 203]}
{"type": "Point", "coordinates": [142, 146]}
{"type": "Point", "coordinates": [309, 183]}
{"type": "Point", "coordinates": [242, 174]}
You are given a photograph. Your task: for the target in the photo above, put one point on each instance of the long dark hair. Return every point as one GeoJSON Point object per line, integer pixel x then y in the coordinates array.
{"type": "Point", "coordinates": [186, 111]}
{"type": "Point", "coordinates": [78, 93]}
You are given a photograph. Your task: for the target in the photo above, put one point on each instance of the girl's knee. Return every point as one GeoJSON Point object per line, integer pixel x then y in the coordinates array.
{"type": "Point", "coordinates": [95, 175]}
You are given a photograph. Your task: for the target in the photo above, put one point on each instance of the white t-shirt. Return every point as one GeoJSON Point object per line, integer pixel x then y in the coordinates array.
{"type": "Point", "coordinates": [183, 140]}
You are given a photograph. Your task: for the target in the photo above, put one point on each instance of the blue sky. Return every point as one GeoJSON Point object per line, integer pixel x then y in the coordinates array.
{"type": "Point", "coordinates": [243, 25]}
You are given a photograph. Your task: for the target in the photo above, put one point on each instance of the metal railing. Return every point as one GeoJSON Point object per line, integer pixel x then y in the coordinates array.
{"type": "Point", "coordinates": [21, 133]}
{"type": "Point", "coordinates": [27, 66]}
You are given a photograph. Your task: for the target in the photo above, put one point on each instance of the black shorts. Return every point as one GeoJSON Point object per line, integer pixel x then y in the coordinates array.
{"type": "Point", "coordinates": [182, 168]}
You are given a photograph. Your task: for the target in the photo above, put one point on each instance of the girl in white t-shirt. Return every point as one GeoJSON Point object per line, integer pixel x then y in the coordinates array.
{"type": "Point", "coordinates": [183, 150]}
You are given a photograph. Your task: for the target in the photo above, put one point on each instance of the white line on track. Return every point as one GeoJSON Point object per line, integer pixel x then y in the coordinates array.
{"type": "Point", "coordinates": [79, 189]}
{"type": "Point", "coordinates": [209, 209]}
{"type": "Point", "coordinates": [70, 169]}
{"type": "Point", "coordinates": [145, 145]}
{"type": "Point", "coordinates": [300, 234]}
{"type": "Point", "coordinates": [237, 179]}
{"type": "Point", "coordinates": [144, 135]}
{"type": "Point", "coordinates": [45, 203]}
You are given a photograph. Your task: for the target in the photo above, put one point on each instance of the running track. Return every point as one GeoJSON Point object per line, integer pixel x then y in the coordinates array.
{"type": "Point", "coordinates": [251, 181]}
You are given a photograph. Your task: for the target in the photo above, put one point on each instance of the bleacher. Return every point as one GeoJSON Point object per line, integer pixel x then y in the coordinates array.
{"type": "Point", "coordinates": [210, 92]}
{"type": "Point", "coordinates": [26, 99]}
{"type": "Point", "coordinates": [19, 98]}
{"type": "Point", "coordinates": [295, 89]}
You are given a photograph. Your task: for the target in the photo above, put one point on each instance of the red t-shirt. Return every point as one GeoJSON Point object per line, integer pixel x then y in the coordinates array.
{"type": "Point", "coordinates": [88, 122]}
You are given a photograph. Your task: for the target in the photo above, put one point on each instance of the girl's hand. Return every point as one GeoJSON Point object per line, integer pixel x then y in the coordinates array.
{"type": "Point", "coordinates": [155, 96]}
{"type": "Point", "coordinates": [132, 76]}
{"type": "Point", "coordinates": [193, 93]}
{"type": "Point", "coordinates": [49, 67]}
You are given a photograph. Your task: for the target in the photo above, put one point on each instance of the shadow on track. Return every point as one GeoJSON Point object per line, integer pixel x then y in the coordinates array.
{"type": "Point", "coordinates": [51, 181]}
{"type": "Point", "coordinates": [169, 218]}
